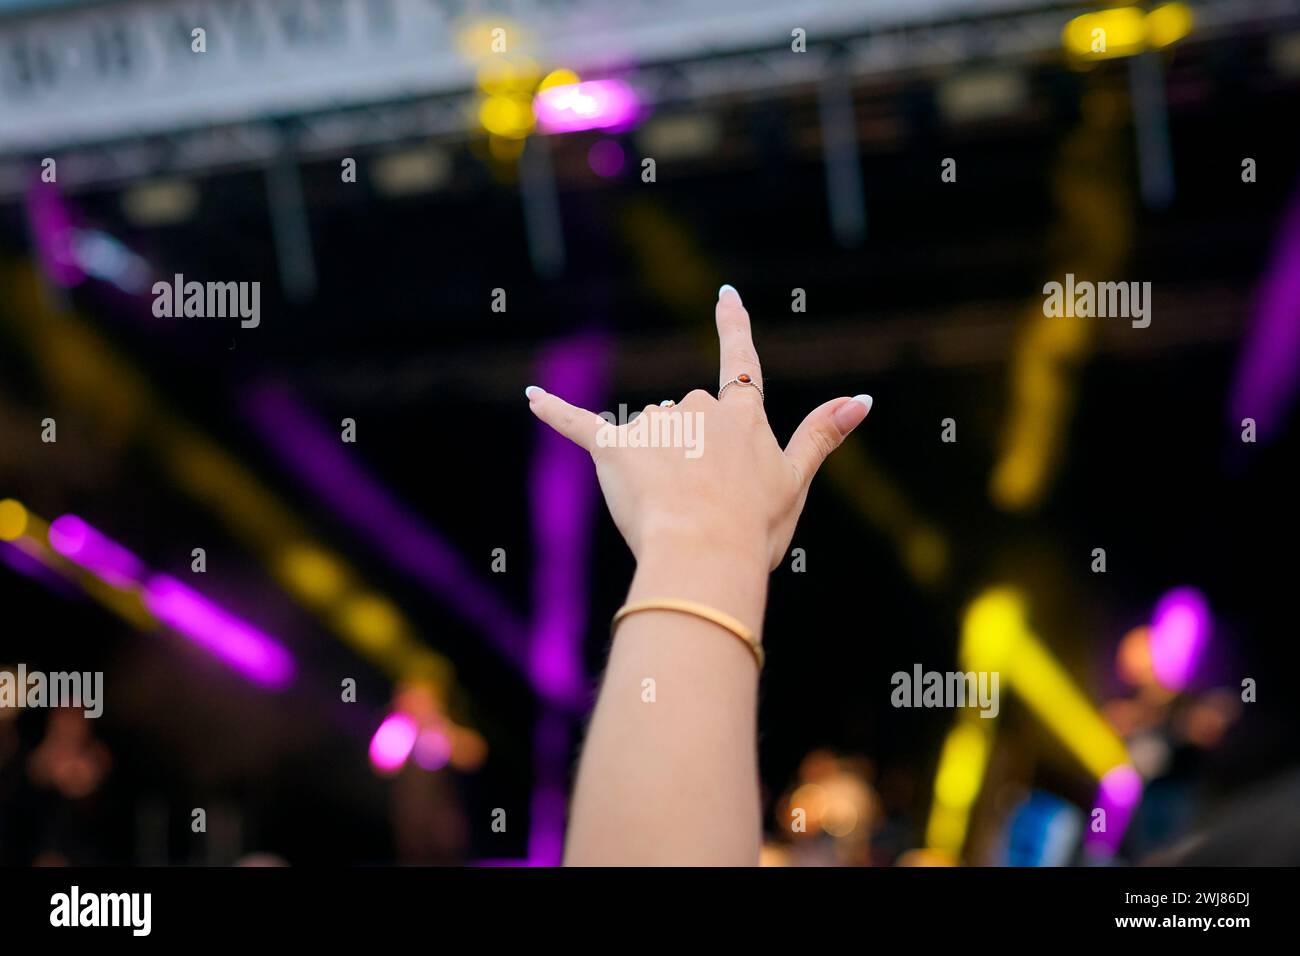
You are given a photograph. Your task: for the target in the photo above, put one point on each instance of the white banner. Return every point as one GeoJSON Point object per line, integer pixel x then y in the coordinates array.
{"type": "Point", "coordinates": [111, 70]}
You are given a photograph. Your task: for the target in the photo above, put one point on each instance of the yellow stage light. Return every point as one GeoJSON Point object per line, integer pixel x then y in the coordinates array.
{"type": "Point", "coordinates": [13, 520]}
{"type": "Point", "coordinates": [1125, 31]}
{"type": "Point", "coordinates": [311, 573]}
{"type": "Point", "coordinates": [507, 116]}
{"type": "Point", "coordinates": [957, 783]}
{"type": "Point", "coordinates": [371, 622]}
{"type": "Point", "coordinates": [502, 77]}
{"type": "Point", "coordinates": [1168, 24]}
{"type": "Point", "coordinates": [558, 78]}
{"type": "Point", "coordinates": [1105, 34]}
{"type": "Point", "coordinates": [996, 637]}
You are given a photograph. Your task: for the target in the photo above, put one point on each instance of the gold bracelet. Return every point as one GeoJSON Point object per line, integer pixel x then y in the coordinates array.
{"type": "Point", "coordinates": [724, 621]}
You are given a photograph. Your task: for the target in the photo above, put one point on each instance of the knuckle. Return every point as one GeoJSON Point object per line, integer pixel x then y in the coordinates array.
{"type": "Point", "coordinates": [744, 355]}
{"type": "Point", "coordinates": [735, 317]}
{"type": "Point", "coordinates": [825, 441]}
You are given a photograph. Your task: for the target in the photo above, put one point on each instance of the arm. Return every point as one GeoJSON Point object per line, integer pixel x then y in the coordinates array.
{"type": "Point", "coordinates": [675, 781]}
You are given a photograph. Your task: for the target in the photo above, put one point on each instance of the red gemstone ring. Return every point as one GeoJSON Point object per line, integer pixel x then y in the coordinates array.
{"type": "Point", "coordinates": [742, 379]}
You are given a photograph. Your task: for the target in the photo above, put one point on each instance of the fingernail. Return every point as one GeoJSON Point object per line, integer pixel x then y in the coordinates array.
{"type": "Point", "coordinates": [849, 415]}
{"type": "Point", "coordinates": [728, 288]}
{"type": "Point", "coordinates": [534, 391]}
{"type": "Point", "coordinates": [667, 403]}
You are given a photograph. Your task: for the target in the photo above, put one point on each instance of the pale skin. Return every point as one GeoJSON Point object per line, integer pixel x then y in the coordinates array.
{"type": "Point", "coordinates": [675, 782]}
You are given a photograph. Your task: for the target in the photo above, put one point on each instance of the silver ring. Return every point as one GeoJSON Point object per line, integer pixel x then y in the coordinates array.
{"type": "Point", "coordinates": [742, 379]}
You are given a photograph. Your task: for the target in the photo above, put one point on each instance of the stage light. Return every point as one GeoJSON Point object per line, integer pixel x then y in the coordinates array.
{"type": "Point", "coordinates": [468, 749]}
{"type": "Point", "coordinates": [563, 498]}
{"type": "Point", "coordinates": [1043, 831]}
{"type": "Point", "coordinates": [996, 637]}
{"type": "Point", "coordinates": [1118, 795]}
{"type": "Point", "coordinates": [995, 622]}
{"type": "Point", "coordinates": [105, 257]}
{"type": "Point", "coordinates": [312, 574]}
{"type": "Point", "coordinates": [371, 622]}
{"type": "Point", "coordinates": [812, 799]}
{"type": "Point", "coordinates": [410, 171]}
{"type": "Point", "coordinates": [687, 136]}
{"type": "Point", "coordinates": [81, 544]}
{"type": "Point", "coordinates": [1168, 24]}
{"type": "Point", "coordinates": [957, 783]}
{"type": "Point", "coordinates": [432, 749]}
{"type": "Point", "coordinates": [160, 203]}
{"type": "Point", "coordinates": [605, 158]}
{"type": "Point", "coordinates": [393, 743]}
{"type": "Point", "coordinates": [1120, 31]}
{"type": "Point", "coordinates": [1124, 31]}
{"type": "Point", "coordinates": [962, 766]}
{"type": "Point", "coordinates": [986, 94]}
{"type": "Point", "coordinates": [54, 230]}
{"type": "Point", "coordinates": [594, 104]}
{"type": "Point", "coordinates": [238, 643]}
{"type": "Point", "coordinates": [559, 77]}
{"type": "Point", "coordinates": [1267, 375]}
{"type": "Point", "coordinates": [314, 455]}
{"type": "Point", "coordinates": [13, 520]}
{"type": "Point", "coordinates": [1095, 228]}
{"type": "Point", "coordinates": [921, 546]}
{"type": "Point", "coordinates": [926, 857]}
{"type": "Point", "coordinates": [505, 150]}
{"type": "Point", "coordinates": [506, 116]}
{"type": "Point", "coordinates": [1133, 659]}
{"type": "Point", "coordinates": [1180, 629]}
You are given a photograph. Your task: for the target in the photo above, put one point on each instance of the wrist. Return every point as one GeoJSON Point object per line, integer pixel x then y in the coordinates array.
{"type": "Point", "coordinates": [727, 575]}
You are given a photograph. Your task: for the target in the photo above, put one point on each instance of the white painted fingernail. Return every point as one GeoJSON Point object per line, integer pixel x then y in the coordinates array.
{"type": "Point", "coordinates": [852, 413]}
{"type": "Point", "coordinates": [728, 288]}
{"type": "Point", "coordinates": [667, 403]}
{"type": "Point", "coordinates": [534, 391]}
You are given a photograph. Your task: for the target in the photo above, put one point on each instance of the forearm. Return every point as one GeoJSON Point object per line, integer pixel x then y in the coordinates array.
{"type": "Point", "coordinates": [669, 770]}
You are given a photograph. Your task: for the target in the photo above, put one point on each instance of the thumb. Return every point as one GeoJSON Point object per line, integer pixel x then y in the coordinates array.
{"type": "Point", "coordinates": [823, 431]}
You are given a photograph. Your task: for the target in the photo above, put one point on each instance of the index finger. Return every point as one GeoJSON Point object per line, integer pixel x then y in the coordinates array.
{"type": "Point", "coordinates": [737, 355]}
{"type": "Point", "coordinates": [576, 424]}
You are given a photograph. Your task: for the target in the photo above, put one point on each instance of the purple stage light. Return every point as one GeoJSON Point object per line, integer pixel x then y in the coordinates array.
{"type": "Point", "coordinates": [563, 497]}
{"type": "Point", "coordinates": [1268, 370]}
{"type": "Point", "coordinates": [393, 742]}
{"type": "Point", "coordinates": [606, 158]}
{"type": "Point", "coordinates": [594, 104]}
{"type": "Point", "coordinates": [54, 233]}
{"type": "Point", "coordinates": [316, 457]}
{"type": "Point", "coordinates": [83, 545]}
{"type": "Point", "coordinates": [1180, 629]}
{"type": "Point", "coordinates": [432, 750]}
{"type": "Point", "coordinates": [18, 555]}
{"type": "Point", "coordinates": [238, 643]}
{"type": "Point", "coordinates": [1118, 795]}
